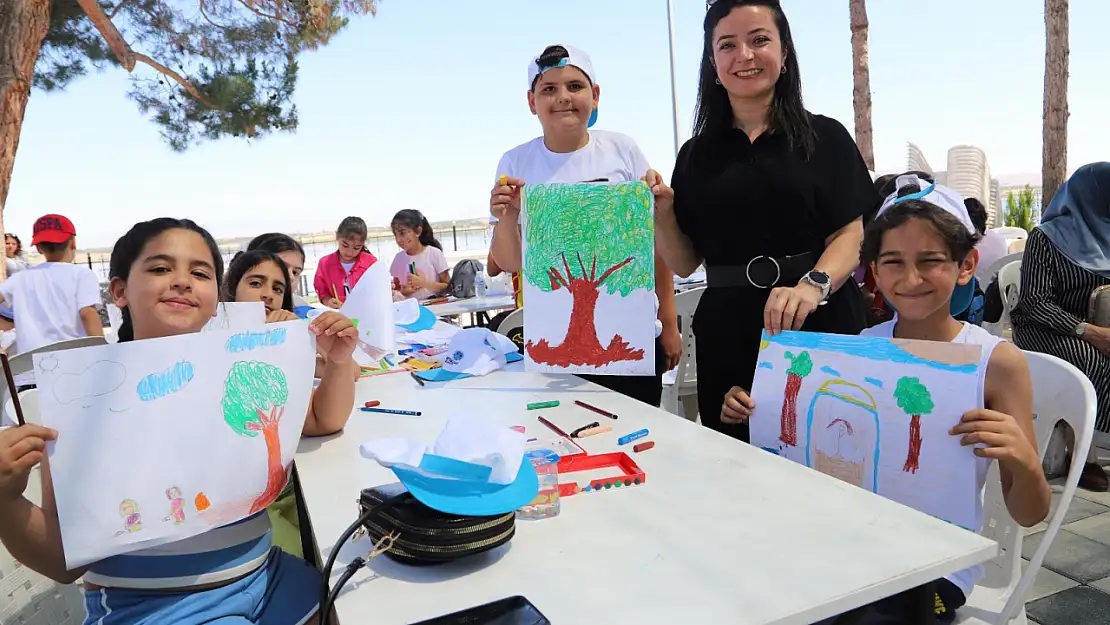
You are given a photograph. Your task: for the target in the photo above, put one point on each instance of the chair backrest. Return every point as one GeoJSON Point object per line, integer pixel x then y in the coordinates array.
{"type": "Point", "coordinates": [514, 320]}
{"type": "Point", "coordinates": [686, 303]}
{"type": "Point", "coordinates": [1011, 232]}
{"type": "Point", "coordinates": [997, 265]}
{"type": "Point", "coordinates": [1060, 393]}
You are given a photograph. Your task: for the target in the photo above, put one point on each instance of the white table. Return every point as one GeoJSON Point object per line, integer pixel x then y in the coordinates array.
{"type": "Point", "coordinates": [472, 305]}
{"type": "Point", "coordinates": [721, 532]}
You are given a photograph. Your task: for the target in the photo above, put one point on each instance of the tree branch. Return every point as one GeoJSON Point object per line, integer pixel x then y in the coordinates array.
{"type": "Point", "coordinates": [581, 264]}
{"type": "Point", "coordinates": [249, 4]}
{"type": "Point", "coordinates": [553, 273]}
{"type": "Point", "coordinates": [570, 274]}
{"type": "Point", "coordinates": [118, 8]}
{"type": "Point", "coordinates": [593, 269]}
{"type": "Point", "coordinates": [142, 58]}
{"type": "Point", "coordinates": [612, 270]}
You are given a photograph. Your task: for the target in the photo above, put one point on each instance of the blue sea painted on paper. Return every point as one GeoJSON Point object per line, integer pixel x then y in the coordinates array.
{"type": "Point", "coordinates": [246, 341]}
{"type": "Point", "coordinates": [865, 347]}
{"type": "Point", "coordinates": [160, 384]}
{"type": "Point", "coordinates": [766, 365]}
{"type": "Point", "coordinates": [874, 382]}
{"type": "Point", "coordinates": [829, 370]}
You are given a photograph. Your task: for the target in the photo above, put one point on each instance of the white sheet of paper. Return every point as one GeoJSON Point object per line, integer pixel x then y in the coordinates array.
{"type": "Point", "coordinates": [846, 406]}
{"type": "Point", "coordinates": [229, 316]}
{"type": "Point", "coordinates": [370, 307]}
{"type": "Point", "coordinates": [163, 439]}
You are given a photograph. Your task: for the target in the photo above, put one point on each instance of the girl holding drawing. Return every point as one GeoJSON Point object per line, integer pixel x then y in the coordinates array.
{"type": "Point", "coordinates": [921, 251]}
{"type": "Point", "coordinates": [563, 93]}
{"type": "Point", "coordinates": [338, 272]}
{"type": "Point", "coordinates": [420, 268]}
{"type": "Point", "coordinates": [165, 277]}
{"type": "Point", "coordinates": [290, 251]}
{"type": "Point", "coordinates": [769, 196]}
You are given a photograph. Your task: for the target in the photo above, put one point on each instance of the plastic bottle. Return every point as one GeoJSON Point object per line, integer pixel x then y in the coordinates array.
{"type": "Point", "coordinates": [546, 503]}
{"type": "Point", "coordinates": [480, 285]}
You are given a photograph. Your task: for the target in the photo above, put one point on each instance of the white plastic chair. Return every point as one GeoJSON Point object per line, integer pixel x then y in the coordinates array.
{"type": "Point", "coordinates": [1009, 288]}
{"type": "Point", "coordinates": [680, 396]}
{"type": "Point", "coordinates": [27, 598]}
{"type": "Point", "coordinates": [1060, 393]}
{"type": "Point", "coordinates": [514, 320]}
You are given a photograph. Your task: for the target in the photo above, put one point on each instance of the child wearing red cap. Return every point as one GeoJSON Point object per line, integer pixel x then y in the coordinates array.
{"type": "Point", "coordinates": [55, 300]}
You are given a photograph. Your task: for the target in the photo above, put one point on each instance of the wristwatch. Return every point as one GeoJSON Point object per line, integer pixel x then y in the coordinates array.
{"type": "Point", "coordinates": [1081, 328]}
{"type": "Point", "coordinates": [821, 280]}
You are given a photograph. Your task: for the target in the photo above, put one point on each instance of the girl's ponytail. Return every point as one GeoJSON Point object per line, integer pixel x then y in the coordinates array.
{"type": "Point", "coordinates": [427, 237]}
{"type": "Point", "coordinates": [126, 332]}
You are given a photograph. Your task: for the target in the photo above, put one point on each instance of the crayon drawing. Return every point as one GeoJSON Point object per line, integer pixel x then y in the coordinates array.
{"type": "Point", "coordinates": [196, 437]}
{"type": "Point", "coordinates": [871, 415]}
{"type": "Point", "coordinates": [589, 269]}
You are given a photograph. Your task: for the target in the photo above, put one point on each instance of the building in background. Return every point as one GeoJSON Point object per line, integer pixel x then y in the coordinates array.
{"type": "Point", "coordinates": [968, 173]}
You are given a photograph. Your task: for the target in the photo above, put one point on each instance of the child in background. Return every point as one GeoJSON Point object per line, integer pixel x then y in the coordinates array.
{"type": "Point", "coordinates": [338, 272]}
{"type": "Point", "coordinates": [420, 268]}
{"type": "Point", "coordinates": [260, 276]}
{"type": "Point", "coordinates": [921, 250]}
{"type": "Point", "coordinates": [290, 251]}
{"type": "Point", "coordinates": [563, 93]}
{"type": "Point", "coordinates": [55, 300]}
{"type": "Point", "coordinates": [165, 277]}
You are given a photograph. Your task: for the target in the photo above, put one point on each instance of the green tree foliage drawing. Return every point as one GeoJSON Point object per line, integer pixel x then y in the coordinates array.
{"type": "Point", "coordinates": [800, 367]}
{"type": "Point", "coordinates": [915, 400]}
{"type": "Point", "coordinates": [254, 401]}
{"type": "Point", "coordinates": [1019, 209]}
{"type": "Point", "coordinates": [585, 237]}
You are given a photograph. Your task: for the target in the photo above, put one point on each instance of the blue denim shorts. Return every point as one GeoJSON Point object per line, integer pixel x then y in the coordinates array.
{"type": "Point", "coordinates": [283, 591]}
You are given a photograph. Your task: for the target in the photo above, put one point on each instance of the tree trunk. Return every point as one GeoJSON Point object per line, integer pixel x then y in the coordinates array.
{"type": "Point", "coordinates": [861, 87]}
{"type": "Point", "coordinates": [23, 26]}
{"type": "Point", "coordinates": [788, 419]}
{"type": "Point", "coordinates": [1054, 157]}
{"type": "Point", "coordinates": [913, 454]}
{"type": "Point", "coordinates": [276, 476]}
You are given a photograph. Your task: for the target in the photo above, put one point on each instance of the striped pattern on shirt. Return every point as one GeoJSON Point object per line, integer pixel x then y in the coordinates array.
{"type": "Point", "coordinates": [220, 555]}
{"type": "Point", "coordinates": [1055, 294]}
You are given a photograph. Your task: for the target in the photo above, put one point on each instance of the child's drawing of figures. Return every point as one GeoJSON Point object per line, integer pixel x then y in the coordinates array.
{"type": "Point", "coordinates": [177, 505]}
{"type": "Point", "coordinates": [129, 510]}
{"type": "Point", "coordinates": [842, 433]}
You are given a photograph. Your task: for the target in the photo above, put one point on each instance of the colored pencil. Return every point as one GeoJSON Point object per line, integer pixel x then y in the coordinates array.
{"type": "Point", "coordinates": [553, 427]}
{"type": "Point", "coordinates": [595, 409]}
{"type": "Point", "coordinates": [411, 413]}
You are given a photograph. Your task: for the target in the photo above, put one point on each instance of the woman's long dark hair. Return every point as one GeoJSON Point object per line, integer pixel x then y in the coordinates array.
{"type": "Point", "coordinates": [276, 242]}
{"type": "Point", "coordinates": [413, 219]}
{"type": "Point", "coordinates": [130, 246]}
{"type": "Point", "coordinates": [244, 262]}
{"type": "Point", "coordinates": [788, 115]}
{"type": "Point", "coordinates": [18, 243]}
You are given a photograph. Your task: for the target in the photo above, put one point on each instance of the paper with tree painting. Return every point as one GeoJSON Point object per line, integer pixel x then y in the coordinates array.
{"type": "Point", "coordinates": [873, 412]}
{"type": "Point", "coordinates": [163, 439]}
{"type": "Point", "coordinates": [589, 278]}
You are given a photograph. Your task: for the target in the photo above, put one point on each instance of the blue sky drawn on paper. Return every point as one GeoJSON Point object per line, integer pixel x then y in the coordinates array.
{"type": "Point", "coordinates": [871, 348]}
{"type": "Point", "coordinates": [172, 380]}
{"type": "Point", "coordinates": [246, 341]}
{"type": "Point", "coordinates": [829, 370]}
{"type": "Point", "coordinates": [874, 382]}
{"type": "Point", "coordinates": [766, 365]}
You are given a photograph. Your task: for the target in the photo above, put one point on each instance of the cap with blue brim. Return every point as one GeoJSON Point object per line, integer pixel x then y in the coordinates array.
{"type": "Point", "coordinates": [574, 58]}
{"type": "Point", "coordinates": [426, 320]}
{"type": "Point", "coordinates": [473, 352]}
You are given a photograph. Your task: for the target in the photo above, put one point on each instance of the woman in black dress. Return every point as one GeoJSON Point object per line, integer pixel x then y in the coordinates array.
{"type": "Point", "coordinates": [769, 196]}
{"type": "Point", "coordinates": [1066, 258]}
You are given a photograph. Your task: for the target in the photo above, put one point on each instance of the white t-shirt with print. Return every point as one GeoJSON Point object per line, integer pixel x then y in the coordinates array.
{"type": "Point", "coordinates": [608, 157]}
{"type": "Point", "coordinates": [429, 263]}
{"type": "Point", "coordinates": [47, 300]}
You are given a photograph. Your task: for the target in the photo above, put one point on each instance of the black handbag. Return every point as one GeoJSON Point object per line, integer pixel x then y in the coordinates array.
{"type": "Point", "coordinates": [423, 536]}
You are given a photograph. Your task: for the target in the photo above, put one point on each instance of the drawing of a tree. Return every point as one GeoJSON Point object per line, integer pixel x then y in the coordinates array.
{"type": "Point", "coordinates": [254, 401]}
{"type": "Point", "coordinates": [915, 399]}
{"type": "Point", "coordinates": [800, 366]}
{"type": "Point", "coordinates": [608, 232]}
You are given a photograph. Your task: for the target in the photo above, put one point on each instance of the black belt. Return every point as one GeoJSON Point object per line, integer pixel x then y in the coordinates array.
{"type": "Point", "coordinates": [761, 272]}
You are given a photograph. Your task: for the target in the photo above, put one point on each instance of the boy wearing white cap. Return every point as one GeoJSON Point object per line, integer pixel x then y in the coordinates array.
{"type": "Point", "coordinates": [563, 93]}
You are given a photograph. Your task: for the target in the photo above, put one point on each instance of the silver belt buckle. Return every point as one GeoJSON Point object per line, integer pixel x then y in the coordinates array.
{"type": "Point", "coordinates": [748, 272]}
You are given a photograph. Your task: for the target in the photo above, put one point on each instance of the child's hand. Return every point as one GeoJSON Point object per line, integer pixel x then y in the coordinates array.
{"type": "Point", "coordinates": [21, 448]}
{"type": "Point", "coordinates": [417, 281]}
{"type": "Point", "coordinates": [1001, 436]}
{"type": "Point", "coordinates": [409, 289]}
{"type": "Point", "coordinates": [664, 195]}
{"type": "Point", "coordinates": [505, 198]}
{"type": "Point", "coordinates": [738, 406]}
{"type": "Point", "coordinates": [331, 302]}
{"type": "Point", "coordinates": [279, 315]}
{"type": "Point", "coordinates": [336, 336]}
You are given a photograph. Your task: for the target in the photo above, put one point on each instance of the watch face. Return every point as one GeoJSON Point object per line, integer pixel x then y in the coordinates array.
{"type": "Point", "coordinates": [819, 277]}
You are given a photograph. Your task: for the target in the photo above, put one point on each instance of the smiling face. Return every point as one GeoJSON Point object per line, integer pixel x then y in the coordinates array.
{"type": "Point", "coordinates": [748, 52]}
{"type": "Point", "coordinates": [407, 238]}
{"type": "Point", "coordinates": [350, 247]}
{"type": "Point", "coordinates": [294, 261]}
{"type": "Point", "coordinates": [264, 283]}
{"type": "Point", "coordinates": [563, 99]}
{"type": "Point", "coordinates": [171, 288]}
{"type": "Point", "coordinates": [916, 273]}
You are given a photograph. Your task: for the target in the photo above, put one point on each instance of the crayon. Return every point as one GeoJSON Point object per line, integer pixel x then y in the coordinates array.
{"type": "Point", "coordinates": [643, 446]}
{"type": "Point", "coordinates": [543, 404]}
{"type": "Point", "coordinates": [504, 180]}
{"type": "Point", "coordinates": [596, 430]}
{"type": "Point", "coordinates": [411, 413]}
{"type": "Point", "coordinates": [628, 438]}
{"type": "Point", "coordinates": [371, 404]}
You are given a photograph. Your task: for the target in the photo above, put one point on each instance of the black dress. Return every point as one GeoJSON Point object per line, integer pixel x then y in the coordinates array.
{"type": "Point", "coordinates": [742, 204]}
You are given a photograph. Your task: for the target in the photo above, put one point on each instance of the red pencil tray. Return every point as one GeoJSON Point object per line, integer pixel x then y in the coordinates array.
{"type": "Point", "coordinates": [632, 475]}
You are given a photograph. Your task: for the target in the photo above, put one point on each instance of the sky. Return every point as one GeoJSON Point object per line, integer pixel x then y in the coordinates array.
{"type": "Point", "coordinates": [414, 107]}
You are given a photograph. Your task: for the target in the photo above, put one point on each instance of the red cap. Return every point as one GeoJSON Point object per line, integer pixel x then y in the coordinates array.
{"type": "Point", "coordinates": [53, 229]}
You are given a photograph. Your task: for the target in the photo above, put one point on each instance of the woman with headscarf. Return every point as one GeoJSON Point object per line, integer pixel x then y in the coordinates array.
{"type": "Point", "coordinates": [1066, 258]}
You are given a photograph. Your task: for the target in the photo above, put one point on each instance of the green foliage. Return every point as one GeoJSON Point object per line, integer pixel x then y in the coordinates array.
{"type": "Point", "coordinates": [589, 223]}
{"type": "Point", "coordinates": [800, 365]}
{"type": "Point", "coordinates": [252, 387]}
{"type": "Point", "coordinates": [239, 55]}
{"type": "Point", "coordinates": [913, 397]}
{"type": "Point", "coordinates": [1019, 209]}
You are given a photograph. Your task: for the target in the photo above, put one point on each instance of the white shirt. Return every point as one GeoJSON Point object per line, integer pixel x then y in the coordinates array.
{"type": "Point", "coordinates": [992, 247]}
{"type": "Point", "coordinates": [47, 300]}
{"type": "Point", "coordinates": [608, 157]}
{"type": "Point", "coordinates": [966, 579]}
{"type": "Point", "coordinates": [430, 264]}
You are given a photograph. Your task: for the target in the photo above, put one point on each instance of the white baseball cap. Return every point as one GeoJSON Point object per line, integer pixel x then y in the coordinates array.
{"type": "Point", "coordinates": [473, 352]}
{"type": "Point", "coordinates": [574, 58]}
{"type": "Point", "coordinates": [941, 196]}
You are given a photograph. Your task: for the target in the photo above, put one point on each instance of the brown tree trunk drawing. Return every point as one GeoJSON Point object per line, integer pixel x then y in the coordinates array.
{"type": "Point", "coordinates": [276, 477]}
{"type": "Point", "coordinates": [1054, 156]}
{"type": "Point", "coordinates": [861, 81]}
{"type": "Point", "coordinates": [23, 26]}
{"type": "Point", "coordinates": [913, 455]}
